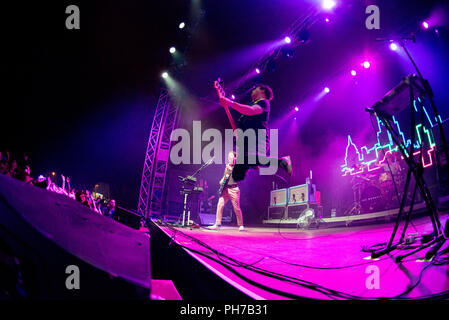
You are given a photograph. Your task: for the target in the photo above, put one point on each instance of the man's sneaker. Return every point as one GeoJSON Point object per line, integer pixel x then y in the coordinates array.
{"type": "Point", "coordinates": [214, 227]}
{"type": "Point", "coordinates": [287, 164]}
{"type": "Point", "coordinates": [241, 228]}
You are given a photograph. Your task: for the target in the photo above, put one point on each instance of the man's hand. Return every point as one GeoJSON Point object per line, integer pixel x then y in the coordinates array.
{"type": "Point", "coordinates": [225, 102]}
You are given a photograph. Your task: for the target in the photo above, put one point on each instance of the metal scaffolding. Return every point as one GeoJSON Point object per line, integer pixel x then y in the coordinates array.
{"type": "Point", "coordinates": [156, 158]}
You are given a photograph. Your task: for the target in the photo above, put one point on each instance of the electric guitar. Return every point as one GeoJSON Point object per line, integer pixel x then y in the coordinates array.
{"type": "Point", "coordinates": [225, 181]}
{"type": "Point", "coordinates": [221, 93]}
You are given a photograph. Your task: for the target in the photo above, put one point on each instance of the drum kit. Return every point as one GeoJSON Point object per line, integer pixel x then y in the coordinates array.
{"type": "Point", "coordinates": [375, 191]}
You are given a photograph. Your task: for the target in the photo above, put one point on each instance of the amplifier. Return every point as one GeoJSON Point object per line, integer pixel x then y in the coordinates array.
{"type": "Point", "coordinates": [295, 210]}
{"type": "Point", "coordinates": [302, 194]}
{"type": "Point", "coordinates": [278, 197]}
{"type": "Point", "coordinates": [278, 212]}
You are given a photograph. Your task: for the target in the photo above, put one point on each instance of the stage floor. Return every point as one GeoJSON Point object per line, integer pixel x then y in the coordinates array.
{"type": "Point", "coordinates": [286, 263]}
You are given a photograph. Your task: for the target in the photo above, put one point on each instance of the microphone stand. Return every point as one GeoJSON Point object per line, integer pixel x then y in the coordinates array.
{"type": "Point", "coordinates": [190, 178]}
{"type": "Point", "coordinates": [439, 238]}
{"type": "Point", "coordinates": [428, 90]}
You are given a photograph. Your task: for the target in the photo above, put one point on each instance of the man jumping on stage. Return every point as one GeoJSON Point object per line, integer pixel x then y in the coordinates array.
{"type": "Point", "coordinates": [231, 192]}
{"type": "Point", "coordinates": [254, 116]}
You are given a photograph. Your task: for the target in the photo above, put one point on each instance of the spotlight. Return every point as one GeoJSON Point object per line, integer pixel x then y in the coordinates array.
{"type": "Point", "coordinates": [296, 109]}
{"type": "Point", "coordinates": [353, 73]}
{"type": "Point", "coordinates": [287, 40]}
{"type": "Point", "coordinates": [172, 50]}
{"type": "Point", "coordinates": [425, 25]}
{"type": "Point", "coordinates": [366, 64]}
{"type": "Point", "coordinates": [394, 46]}
{"type": "Point", "coordinates": [182, 25]}
{"type": "Point", "coordinates": [327, 90]}
{"type": "Point", "coordinates": [327, 19]}
{"type": "Point", "coordinates": [232, 97]}
{"type": "Point", "coordinates": [328, 4]}
{"type": "Point", "coordinates": [257, 70]}
{"type": "Point", "coordinates": [165, 75]}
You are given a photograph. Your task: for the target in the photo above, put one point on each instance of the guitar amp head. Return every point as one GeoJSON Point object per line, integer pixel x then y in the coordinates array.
{"type": "Point", "coordinates": [302, 194]}
{"type": "Point", "coordinates": [278, 197]}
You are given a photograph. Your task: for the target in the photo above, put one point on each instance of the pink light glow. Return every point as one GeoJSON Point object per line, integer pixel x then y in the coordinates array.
{"type": "Point", "coordinates": [327, 90]}
{"type": "Point", "coordinates": [425, 25]}
{"type": "Point", "coordinates": [353, 73]}
{"type": "Point", "coordinates": [257, 70]}
{"type": "Point", "coordinates": [296, 109]}
{"type": "Point", "coordinates": [287, 39]}
{"type": "Point", "coordinates": [429, 153]}
{"type": "Point", "coordinates": [366, 64]}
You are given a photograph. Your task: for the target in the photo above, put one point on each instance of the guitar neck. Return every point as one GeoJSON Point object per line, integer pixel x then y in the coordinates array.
{"type": "Point", "coordinates": [231, 120]}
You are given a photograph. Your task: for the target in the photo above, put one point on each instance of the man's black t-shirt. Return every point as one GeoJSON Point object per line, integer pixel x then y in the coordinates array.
{"type": "Point", "coordinates": [256, 122]}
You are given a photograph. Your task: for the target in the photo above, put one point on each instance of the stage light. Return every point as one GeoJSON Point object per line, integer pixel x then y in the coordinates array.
{"type": "Point", "coordinates": [353, 73]}
{"type": "Point", "coordinates": [425, 25]}
{"type": "Point", "coordinates": [328, 4]}
{"type": "Point", "coordinates": [296, 109]}
{"type": "Point", "coordinates": [394, 46]}
{"type": "Point", "coordinates": [287, 40]}
{"type": "Point", "coordinates": [327, 19]}
{"type": "Point", "coordinates": [366, 64]}
{"type": "Point", "coordinates": [182, 25]}
{"type": "Point", "coordinates": [165, 75]}
{"type": "Point", "coordinates": [257, 70]}
{"type": "Point", "coordinates": [232, 97]}
{"type": "Point", "coordinates": [327, 90]}
{"type": "Point", "coordinates": [172, 50]}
